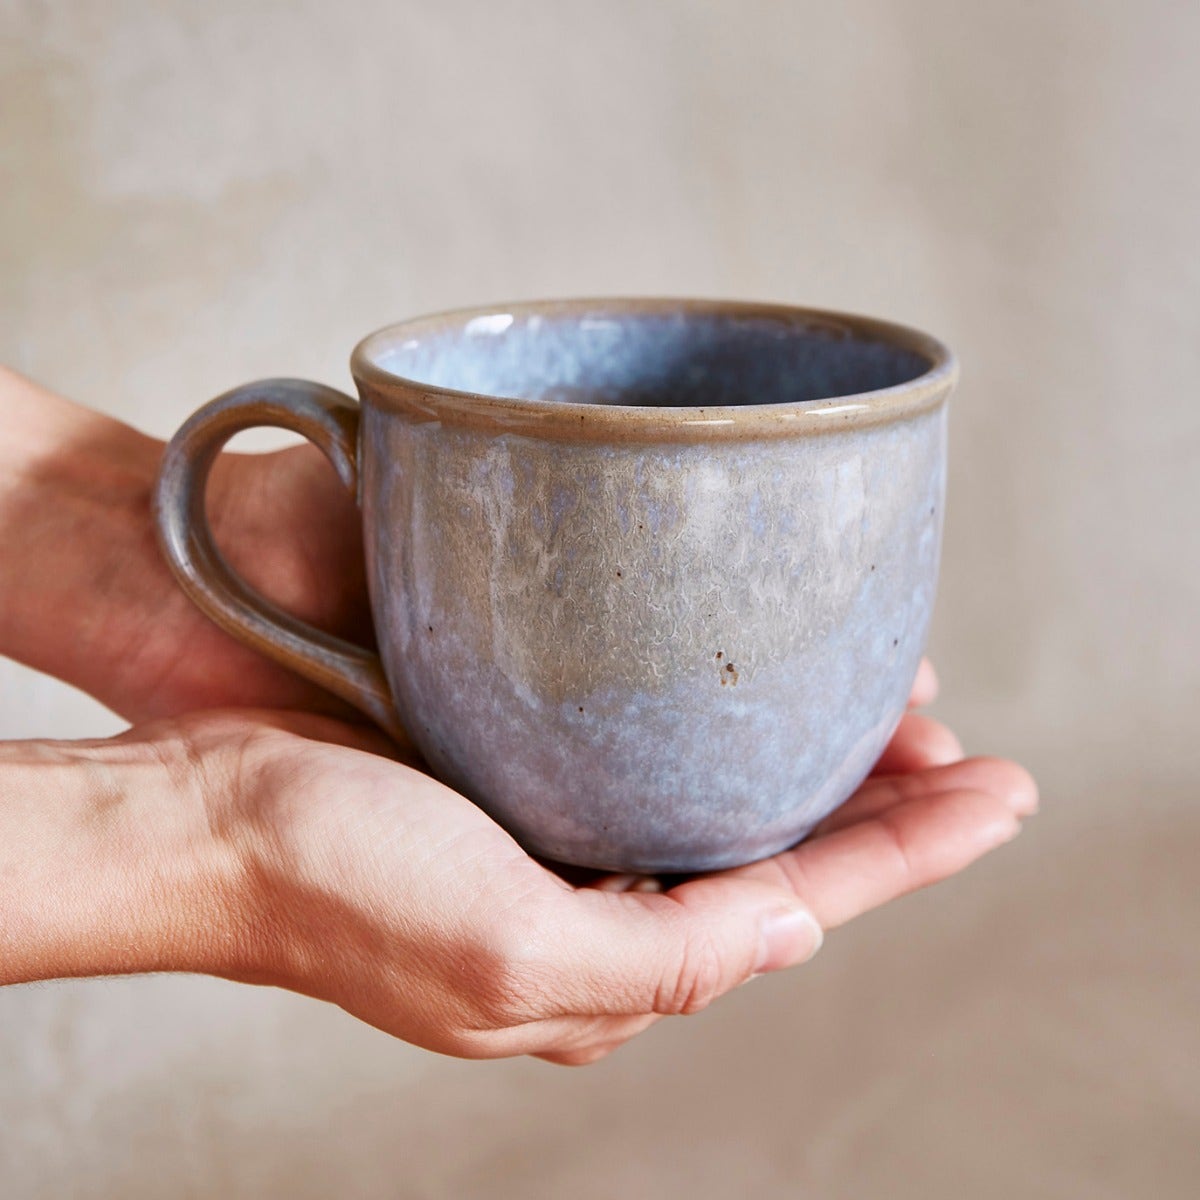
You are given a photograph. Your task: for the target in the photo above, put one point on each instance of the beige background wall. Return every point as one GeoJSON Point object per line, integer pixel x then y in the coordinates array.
{"type": "Point", "coordinates": [194, 195]}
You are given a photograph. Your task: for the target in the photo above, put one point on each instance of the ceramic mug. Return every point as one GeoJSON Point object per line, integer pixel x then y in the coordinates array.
{"type": "Point", "coordinates": [650, 579]}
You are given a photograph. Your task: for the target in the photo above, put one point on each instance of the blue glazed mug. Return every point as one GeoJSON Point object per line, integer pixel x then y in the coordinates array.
{"type": "Point", "coordinates": [650, 579]}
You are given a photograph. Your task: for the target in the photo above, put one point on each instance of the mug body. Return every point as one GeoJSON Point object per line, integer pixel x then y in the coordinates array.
{"type": "Point", "coordinates": [651, 579]}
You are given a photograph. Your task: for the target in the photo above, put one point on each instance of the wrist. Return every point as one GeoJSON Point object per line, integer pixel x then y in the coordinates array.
{"type": "Point", "coordinates": [74, 500]}
{"type": "Point", "coordinates": [108, 866]}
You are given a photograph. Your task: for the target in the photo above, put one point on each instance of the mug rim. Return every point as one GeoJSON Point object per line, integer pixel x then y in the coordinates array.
{"type": "Point", "coordinates": [579, 421]}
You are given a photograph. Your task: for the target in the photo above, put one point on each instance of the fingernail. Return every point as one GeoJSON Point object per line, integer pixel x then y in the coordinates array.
{"type": "Point", "coordinates": [787, 937]}
{"type": "Point", "coordinates": [1000, 832]}
{"type": "Point", "coordinates": [616, 883]}
{"type": "Point", "coordinates": [628, 883]}
{"type": "Point", "coordinates": [647, 883]}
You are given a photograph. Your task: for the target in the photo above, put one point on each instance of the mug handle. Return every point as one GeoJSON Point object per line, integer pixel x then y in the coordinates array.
{"type": "Point", "coordinates": [330, 420]}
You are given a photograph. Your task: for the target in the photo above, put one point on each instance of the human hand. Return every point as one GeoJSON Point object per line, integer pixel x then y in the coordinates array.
{"type": "Point", "coordinates": [414, 911]}
{"type": "Point", "coordinates": [89, 598]}
{"type": "Point", "coordinates": [288, 854]}
{"type": "Point", "coordinates": [333, 871]}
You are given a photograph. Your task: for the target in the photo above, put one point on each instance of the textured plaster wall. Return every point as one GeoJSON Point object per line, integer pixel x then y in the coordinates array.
{"type": "Point", "coordinates": [193, 195]}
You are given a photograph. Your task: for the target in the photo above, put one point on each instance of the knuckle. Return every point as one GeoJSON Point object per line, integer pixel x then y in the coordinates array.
{"type": "Point", "coordinates": [508, 975]}
{"type": "Point", "coordinates": [697, 982]}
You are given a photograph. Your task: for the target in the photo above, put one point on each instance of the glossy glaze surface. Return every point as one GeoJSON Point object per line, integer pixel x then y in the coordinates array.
{"type": "Point", "coordinates": [646, 653]}
{"type": "Point", "coordinates": [650, 578]}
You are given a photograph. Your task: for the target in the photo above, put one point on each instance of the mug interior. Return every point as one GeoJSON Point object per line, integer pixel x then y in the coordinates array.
{"type": "Point", "coordinates": [651, 358]}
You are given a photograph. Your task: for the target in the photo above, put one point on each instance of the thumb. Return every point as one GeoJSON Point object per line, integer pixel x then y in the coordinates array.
{"type": "Point", "coordinates": [676, 952]}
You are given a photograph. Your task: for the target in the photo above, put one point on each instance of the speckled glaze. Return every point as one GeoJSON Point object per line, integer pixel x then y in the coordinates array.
{"type": "Point", "coordinates": [651, 579]}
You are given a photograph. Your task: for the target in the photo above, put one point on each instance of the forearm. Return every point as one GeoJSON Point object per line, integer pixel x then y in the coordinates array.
{"type": "Point", "coordinates": [106, 868]}
{"type": "Point", "coordinates": [74, 514]}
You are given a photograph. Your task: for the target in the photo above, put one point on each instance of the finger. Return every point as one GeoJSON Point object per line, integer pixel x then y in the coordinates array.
{"type": "Point", "coordinates": [636, 953]}
{"type": "Point", "coordinates": [588, 1045]}
{"type": "Point", "coordinates": [918, 742]}
{"type": "Point", "coordinates": [925, 685]}
{"type": "Point", "coordinates": [630, 952]}
{"type": "Point", "coordinates": [584, 1056]}
{"type": "Point", "coordinates": [628, 883]}
{"type": "Point", "coordinates": [570, 1034]}
{"type": "Point", "coordinates": [914, 844]}
{"type": "Point", "coordinates": [880, 792]}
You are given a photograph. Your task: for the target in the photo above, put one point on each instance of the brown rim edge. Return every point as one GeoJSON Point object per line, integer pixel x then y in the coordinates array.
{"type": "Point", "coordinates": [558, 420]}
